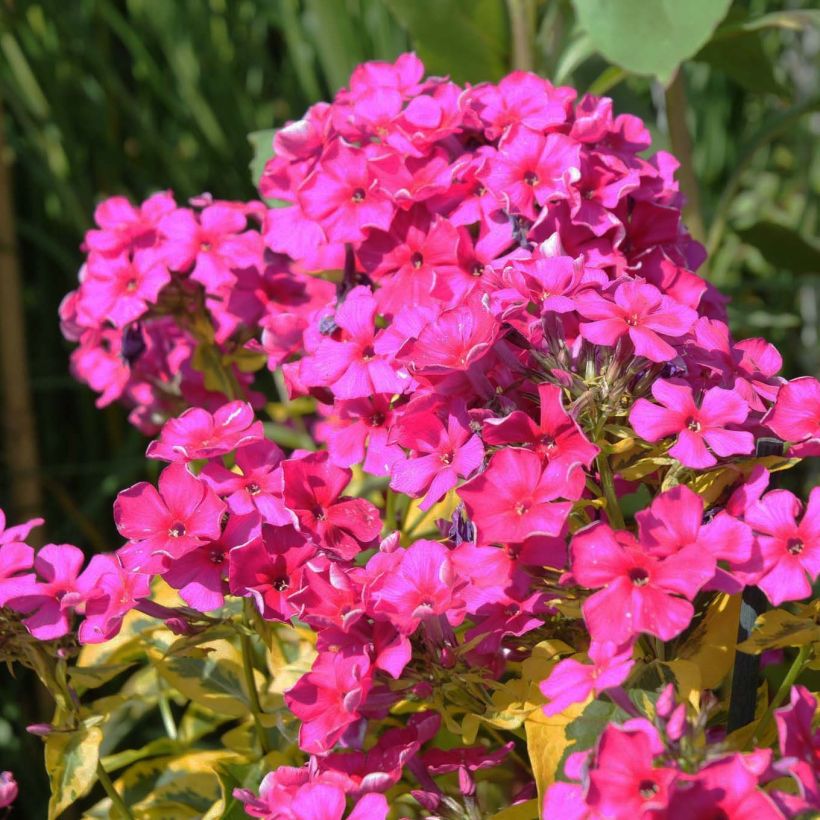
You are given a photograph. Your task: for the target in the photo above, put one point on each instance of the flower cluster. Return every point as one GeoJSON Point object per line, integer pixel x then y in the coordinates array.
{"type": "Point", "coordinates": [487, 301]}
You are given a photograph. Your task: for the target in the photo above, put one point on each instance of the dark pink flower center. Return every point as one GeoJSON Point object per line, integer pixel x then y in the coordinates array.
{"type": "Point", "coordinates": [253, 488]}
{"type": "Point", "coordinates": [639, 576]}
{"type": "Point", "coordinates": [368, 353]}
{"type": "Point", "coordinates": [280, 584]}
{"type": "Point", "coordinates": [376, 420]}
{"type": "Point", "coordinates": [547, 442]}
{"type": "Point", "coordinates": [177, 530]}
{"type": "Point", "coordinates": [795, 546]}
{"type": "Point", "coordinates": [632, 320]}
{"type": "Point", "coordinates": [478, 269]}
{"type": "Point", "coordinates": [521, 507]}
{"type": "Point", "coordinates": [531, 178]}
{"type": "Point", "coordinates": [131, 285]}
{"type": "Point", "coordinates": [647, 789]}
{"type": "Point", "coordinates": [693, 425]}
{"type": "Point", "coordinates": [358, 195]}
{"type": "Point", "coordinates": [217, 557]}
{"type": "Point", "coordinates": [205, 246]}
{"type": "Point", "coordinates": [416, 260]}
{"type": "Point", "coordinates": [447, 458]}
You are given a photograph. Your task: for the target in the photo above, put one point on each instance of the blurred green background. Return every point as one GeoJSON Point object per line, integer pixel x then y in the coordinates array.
{"type": "Point", "coordinates": [131, 96]}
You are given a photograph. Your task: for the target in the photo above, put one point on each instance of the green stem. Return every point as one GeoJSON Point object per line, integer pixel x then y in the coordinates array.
{"type": "Point", "coordinates": [680, 141]}
{"type": "Point", "coordinates": [791, 676]}
{"type": "Point", "coordinates": [165, 713]}
{"type": "Point", "coordinates": [250, 682]}
{"type": "Point", "coordinates": [522, 29]}
{"type": "Point", "coordinates": [613, 510]}
{"type": "Point", "coordinates": [116, 801]}
{"type": "Point", "coordinates": [389, 511]}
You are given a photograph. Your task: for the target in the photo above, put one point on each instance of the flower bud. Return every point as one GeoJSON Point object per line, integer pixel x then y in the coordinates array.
{"type": "Point", "coordinates": [8, 789]}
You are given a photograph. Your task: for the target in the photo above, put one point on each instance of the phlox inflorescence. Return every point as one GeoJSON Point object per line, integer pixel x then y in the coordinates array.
{"type": "Point", "coordinates": [487, 299]}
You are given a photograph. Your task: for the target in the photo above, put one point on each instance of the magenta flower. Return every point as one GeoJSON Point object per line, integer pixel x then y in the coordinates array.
{"type": "Point", "coordinates": [642, 313]}
{"type": "Point", "coordinates": [270, 569]}
{"type": "Point", "coordinates": [350, 366]}
{"type": "Point", "coordinates": [15, 556]}
{"type": "Point", "coordinates": [557, 437]}
{"type": "Point", "coordinates": [439, 456]}
{"type": "Point", "coordinates": [121, 290]}
{"type": "Point", "coordinates": [200, 574]}
{"type": "Point", "coordinates": [573, 682]}
{"type": "Point", "coordinates": [790, 549]}
{"type": "Point", "coordinates": [514, 498]}
{"type": "Point", "coordinates": [182, 515]}
{"type": "Point", "coordinates": [423, 585]}
{"type": "Point", "coordinates": [327, 699]}
{"type": "Point", "coordinates": [126, 228]}
{"type": "Point", "coordinates": [213, 243]}
{"type": "Point", "coordinates": [49, 601]}
{"type": "Point", "coordinates": [728, 788]}
{"type": "Point", "coordinates": [642, 588]}
{"type": "Point", "coordinates": [359, 433]}
{"type": "Point", "coordinates": [8, 789]}
{"type": "Point", "coordinates": [313, 491]}
{"type": "Point", "coordinates": [344, 196]}
{"type": "Point", "coordinates": [199, 434]}
{"type": "Point", "coordinates": [795, 416]}
{"type": "Point", "coordinates": [532, 168]}
{"type": "Point", "coordinates": [625, 782]}
{"type": "Point", "coordinates": [255, 485]}
{"type": "Point", "coordinates": [110, 592]}
{"type": "Point", "coordinates": [674, 522]}
{"type": "Point", "coordinates": [695, 427]}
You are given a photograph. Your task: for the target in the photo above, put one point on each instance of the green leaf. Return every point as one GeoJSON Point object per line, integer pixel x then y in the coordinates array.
{"type": "Point", "coordinates": [90, 677]}
{"type": "Point", "coordinates": [465, 39]}
{"type": "Point", "coordinates": [782, 246]}
{"type": "Point", "coordinates": [650, 36]}
{"type": "Point", "coordinates": [238, 776]}
{"type": "Point", "coordinates": [743, 59]}
{"type": "Point", "coordinates": [71, 763]}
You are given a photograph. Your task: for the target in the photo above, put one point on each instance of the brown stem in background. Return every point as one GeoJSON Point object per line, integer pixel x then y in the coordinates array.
{"type": "Point", "coordinates": [19, 433]}
{"type": "Point", "coordinates": [522, 31]}
{"type": "Point", "coordinates": [681, 144]}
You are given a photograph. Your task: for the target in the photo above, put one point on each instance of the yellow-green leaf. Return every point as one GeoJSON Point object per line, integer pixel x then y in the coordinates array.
{"type": "Point", "coordinates": [521, 811]}
{"type": "Point", "coordinates": [71, 763]}
{"type": "Point", "coordinates": [780, 628]}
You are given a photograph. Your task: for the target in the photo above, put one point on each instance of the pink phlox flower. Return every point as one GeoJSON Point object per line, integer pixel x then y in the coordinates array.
{"type": "Point", "coordinates": [571, 681]}
{"type": "Point", "coordinates": [749, 366]}
{"type": "Point", "coordinates": [211, 244]}
{"type": "Point", "coordinates": [387, 648]}
{"type": "Point", "coordinates": [15, 555]}
{"type": "Point", "coordinates": [327, 699]}
{"type": "Point", "coordinates": [531, 169]}
{"type": "Point", "coordinates": [521, 98]}
{"type": "Point", "coordinates": [343, 195]}
{"type": "Point", "coordinates": [381, 766]}
{"type": "Point", "coordinates": [255, 485]}
{"type": "Point", "coordinates": [346, 360]}
{"type": "Point", "coordinates": [410, 261]}
{"type": "Point", "coordinates": [99, 363]}
{"type": "Point", "coordinates": [605, 182]}
{"type": "Point", "coordinates": [121, 290]}
{"type": "Point", "coordinates": [639, 311]}
{"type": "Point", "coordinates": [674, 521]}
{"type": "Point", "coordinates": [624, 781]}
{"type": "Point", "coordinates": [125, 228]}
{"type": "Point", "coordinates": [358, 433]}
{"type": "Point", "coordinates": [799, 746]}
{"type": "Point", "coordinates": [790, 548]}
{"type": "Point", "coordinates": [329, 596]}
{"type": "Point", "coordinates": [199, 434]}
{"type": "Point", "coordinates": [270, 568]}
{"type": "Point", "coordinates": [110, 592]}
{"type": "Point", "coordinates": [795, 416]}
{"type": "Point", "coordinates": [651, 594]}
{"type": "Point", "coordinates": [695, 427]}
{"type": "Point", "coordinates": [200, 574]}
{"type": "Point", "coordinates": [50, 595]}
{"type": "Point", "coordinates": [487, 572]}
{"type": "Point", "coordinates": [413, 180]}
{"type": "Point", "coordinates": [454, 341]}
{"type": "Point", "coordinates": [441, 452]}
{"type": "Point", "coordinates": [166, 522]}
{"type": "Point", "coordinates": [313, 491]}
{"type": "Point", "coordinates": [515, 498]}
{"type": "Point", "coordinates": [470, 758]}
{"type": "Point", "coordinates": [8, 789]}
{"type": "Point", "coordinates": [557, 438]}
{"type": "Point", "coordinates": [727, 788]}
{"type": "Point", "coordinates": [423, 585]}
